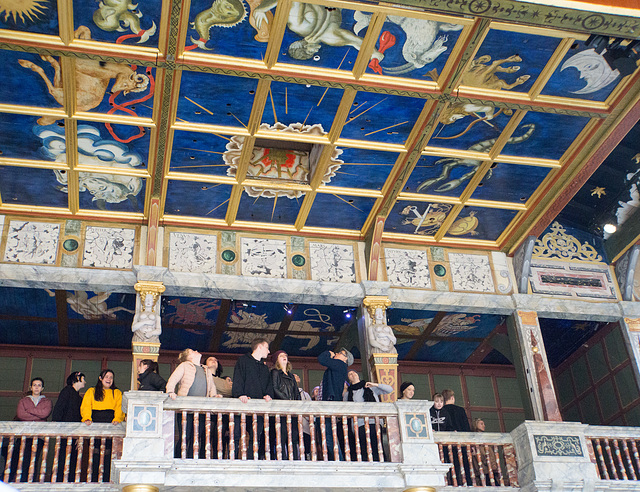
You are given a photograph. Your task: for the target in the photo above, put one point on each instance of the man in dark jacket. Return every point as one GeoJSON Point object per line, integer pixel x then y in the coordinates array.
{"type": "Point", "coordinates": [457, 421]}
{"type": "Point", "coordinates": [333, 382]}
{"type": "Point", "coordinates": [251, 379]}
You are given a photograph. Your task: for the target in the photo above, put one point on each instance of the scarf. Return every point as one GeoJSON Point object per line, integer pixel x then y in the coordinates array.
{"type": "Point", "coordinates": [368, 394]}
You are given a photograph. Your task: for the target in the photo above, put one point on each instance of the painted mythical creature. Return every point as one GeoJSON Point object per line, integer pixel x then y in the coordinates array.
{"type": "Point", "coordinates": [91, 307]}
{"type": "Point", "coordinates": [257, 323]}
{"type": "Point", "coordinates": [423, 43]}
{"type": "Point", "coordinates": [450, 325]}
{"type": "Point", "coordinates": [92, 79]}
{"type": "Point", "coordinates": [316, 25]}
{"type": "Point", "coordinates": [428, 222]}
{"type": "Point", "coordinates": [121, 15]}
{"type": "Point", "coordinates": [222, 13]}
{"type": "Point", "coordinates": [481, 74]}
{"type": "Point", "coordinates": [192, 312]}
{"type": "Point", "coordinates": [449, 163]}
{"type": "Point", "coordinates": [593, 68]}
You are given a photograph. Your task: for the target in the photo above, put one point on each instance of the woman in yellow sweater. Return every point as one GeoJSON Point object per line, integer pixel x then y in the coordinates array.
{"type": "Point", "coordinates": [103, 403]}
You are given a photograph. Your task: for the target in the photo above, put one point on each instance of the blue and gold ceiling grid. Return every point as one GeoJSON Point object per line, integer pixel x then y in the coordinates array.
{"type": "Point", "coordinates": [457, 123]}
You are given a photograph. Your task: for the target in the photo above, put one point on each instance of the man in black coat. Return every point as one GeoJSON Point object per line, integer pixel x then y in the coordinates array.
{"type": "Point", "coordinates": [457, 421]}
{"type": "Point", "coordinates": [251, 379]}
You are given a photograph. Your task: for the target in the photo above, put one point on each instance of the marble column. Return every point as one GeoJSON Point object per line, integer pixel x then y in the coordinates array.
{"type": "Point", "coordinates": [630, 328]}
{"type": "Point", "coordinates": [377, 344]}
{"type": "Point", "coordinates": [532, 367]}
{"type": "Point", "coordinates": [146, 326]}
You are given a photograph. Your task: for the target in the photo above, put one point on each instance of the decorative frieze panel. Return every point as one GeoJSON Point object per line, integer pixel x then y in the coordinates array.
{"type": "Point", "coordinates": [407, 268]}
{"type": "Point", "coordinates": [108, 247]}
{"type": "Point", "coordinates": [471, 272]}
{"type": "Point", "coordinates": [332, 262]}
{"type": "Point", "coordinates": [557, 445]}
{"type": "Point", "coordinates": [264, 257]}
{"type": "Point", "coordinates": [31, 242]}
{"type": "Point", "coordinates": [192, 252]}
{"type": "Point", "coordinates": [579, 280]}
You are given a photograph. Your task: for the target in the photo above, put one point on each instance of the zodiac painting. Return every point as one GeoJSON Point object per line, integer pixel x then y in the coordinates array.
{"type": "Point", "coordinates": [428, 222]}
{"type": "Point", "coordinates": [93, 150]}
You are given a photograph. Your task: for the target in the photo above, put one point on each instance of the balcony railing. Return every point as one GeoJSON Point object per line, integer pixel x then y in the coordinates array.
{"type": "Point", "coordinates": [50, 452]}
{"type": "Point", "coordinates": [479, 459]}
{"type": "Point", "coordinates": [284, 430]}
{"type": "Point", "coordinates": [614, 451]}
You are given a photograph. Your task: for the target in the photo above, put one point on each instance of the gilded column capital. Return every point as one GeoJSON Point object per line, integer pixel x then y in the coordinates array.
{"type": "Point", "coordinates": [374, 302]}
{"type": "Point", "coordinates": [149, 287]}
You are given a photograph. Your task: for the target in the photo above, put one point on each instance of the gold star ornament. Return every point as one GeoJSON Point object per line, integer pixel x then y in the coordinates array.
{"type": "Point", "coordinates": [598, 191]}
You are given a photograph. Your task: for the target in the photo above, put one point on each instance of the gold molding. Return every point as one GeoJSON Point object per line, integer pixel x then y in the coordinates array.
{"type": "Point", "coordinates": [374, 302]}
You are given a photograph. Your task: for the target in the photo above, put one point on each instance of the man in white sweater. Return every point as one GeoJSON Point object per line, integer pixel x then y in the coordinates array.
{"type": "Point", "coordinates": [364, 391]}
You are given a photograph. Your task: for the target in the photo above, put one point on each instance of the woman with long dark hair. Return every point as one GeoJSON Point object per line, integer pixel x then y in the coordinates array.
{"type": "Point", "coordinates": [67, 409]}
{"type": "Point", "coordinates": [103, 403]}
{"type": "Point", "coordinates": [285, 387]}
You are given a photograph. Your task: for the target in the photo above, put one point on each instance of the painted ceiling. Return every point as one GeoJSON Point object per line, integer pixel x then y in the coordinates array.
{"type": "Point", "coordinates": [313, 118]}
{"type": "Point", "coordinates": [45, 317]}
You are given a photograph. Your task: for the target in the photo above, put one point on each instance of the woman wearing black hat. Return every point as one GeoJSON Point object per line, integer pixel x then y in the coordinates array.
{"type": "Point", "coordinates": [285, 388]}
{"type": "Point", "coordinates": [407, 390]}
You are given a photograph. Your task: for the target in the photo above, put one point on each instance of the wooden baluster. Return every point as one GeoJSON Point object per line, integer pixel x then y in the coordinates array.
{"type": "Point", "coordinates": [243, 436]}
{"type": "Point", "coordinates": [79, 459]}
{"type": "Point", "coordinates": [379, 438]}
{"type": "Point", "coordinates": [623, 472]}
{"type": "Point", "coordinates": [496, 454]}
{"type": "Point", "coordinates": [21, 456]}
{"type": "Point", "coordinates": [487, 453]}
{"type": "Point", "coordinates": [254, 428]}
{"type": "Point", "coordinates": [602, 469]}
{"type": "Point", "coordinates": [636, 457]}
{"type": "Point", "coordinates": [453, 468]}
{"type": "Point", "coordinates": [473, 456]}
{"type": "Point", "coordinates": [196, 435]}
{"type": "Point", "coordinates": [356, 434]}
{"type": "Point", "coordinates": [345, 431]}
{"type": "Point", "coordinates": [289, 438]}
{"type": "Point", "coordinates": [32, 461]}
{"type": "Point", "coordinates": [7, 469]}
{"type": "Point", "coordinates": [56, 455]}
{"type": "Point", "coordinates": [183, 437]}
{"type": "Point", "coordinates": [301, 448]}
{"type": "Point", "coordinates": [323, 434]}
{"type": "Point", "coordinates": [463, 475]}
{"type": "Point", "coordinates": [278, 438]}
{"type": "Point", "coordinates": [510, 460]}
{"type": "Point", "coordinates": [43, 464]}
{"type": "Point", "coordinates": [103, 448]}
{"type": "Point", "coordinates": [92, 446]}
{"type": "Point", "coordinates": [219, 425]}
{"type": "Point", "coordinates": [232, 442]}
{"type": "Point", "coordinates": [312, 433]}
{"type": "Point", "coordinates": [67, 459]}
{"type": "Point", "coordinates": [627, 455]}
{"type": "Point", "coordinates": [267, 447]}
{"type": "Point", "coordinates": [607, 448]}
{"type": "Point", "coordinates": [334, 433]}
{"type": "Point", "coordinates": [367, 434]}
{"type": "Point", "coordinates": [207, 435]}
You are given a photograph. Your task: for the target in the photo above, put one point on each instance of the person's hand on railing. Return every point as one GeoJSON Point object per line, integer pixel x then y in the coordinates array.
{"type": "Point", "coordinates": [172, 395]}
{"type": "Point", "coordinates": [244, 398]}
{"type": "Point", "coordinates": [88, 422]}
{"type": "Point", "coordinates": [267, 398]}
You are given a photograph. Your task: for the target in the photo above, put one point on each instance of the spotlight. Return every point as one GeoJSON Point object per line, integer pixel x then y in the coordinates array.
{"type": "Point", "coordinates": [347, 313]}
{"type": "Point", "coordinates": [610, 228]}
{"type": "Point", "coordinates": [288, 308]}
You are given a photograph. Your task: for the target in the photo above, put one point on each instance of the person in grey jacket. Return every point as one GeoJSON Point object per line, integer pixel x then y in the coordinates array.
{"type": "Point", "coordinates": [364, 391]}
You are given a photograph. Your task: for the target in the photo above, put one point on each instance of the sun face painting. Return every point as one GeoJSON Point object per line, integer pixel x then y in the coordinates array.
{"type": "Point", "coordinates": [26, 10]}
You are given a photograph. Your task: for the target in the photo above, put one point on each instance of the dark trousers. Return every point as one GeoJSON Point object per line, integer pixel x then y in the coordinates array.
{"type": "Point", "coordinates": [362, 436]}
{"type": "Point", "coordinates": [284, 437]}
{"type": "Point", "coordinates": [250, 438]}
{"type": "Point", "coordinates": [73, 457]}
{"type": "Point", "coordinates": [329, 437]}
